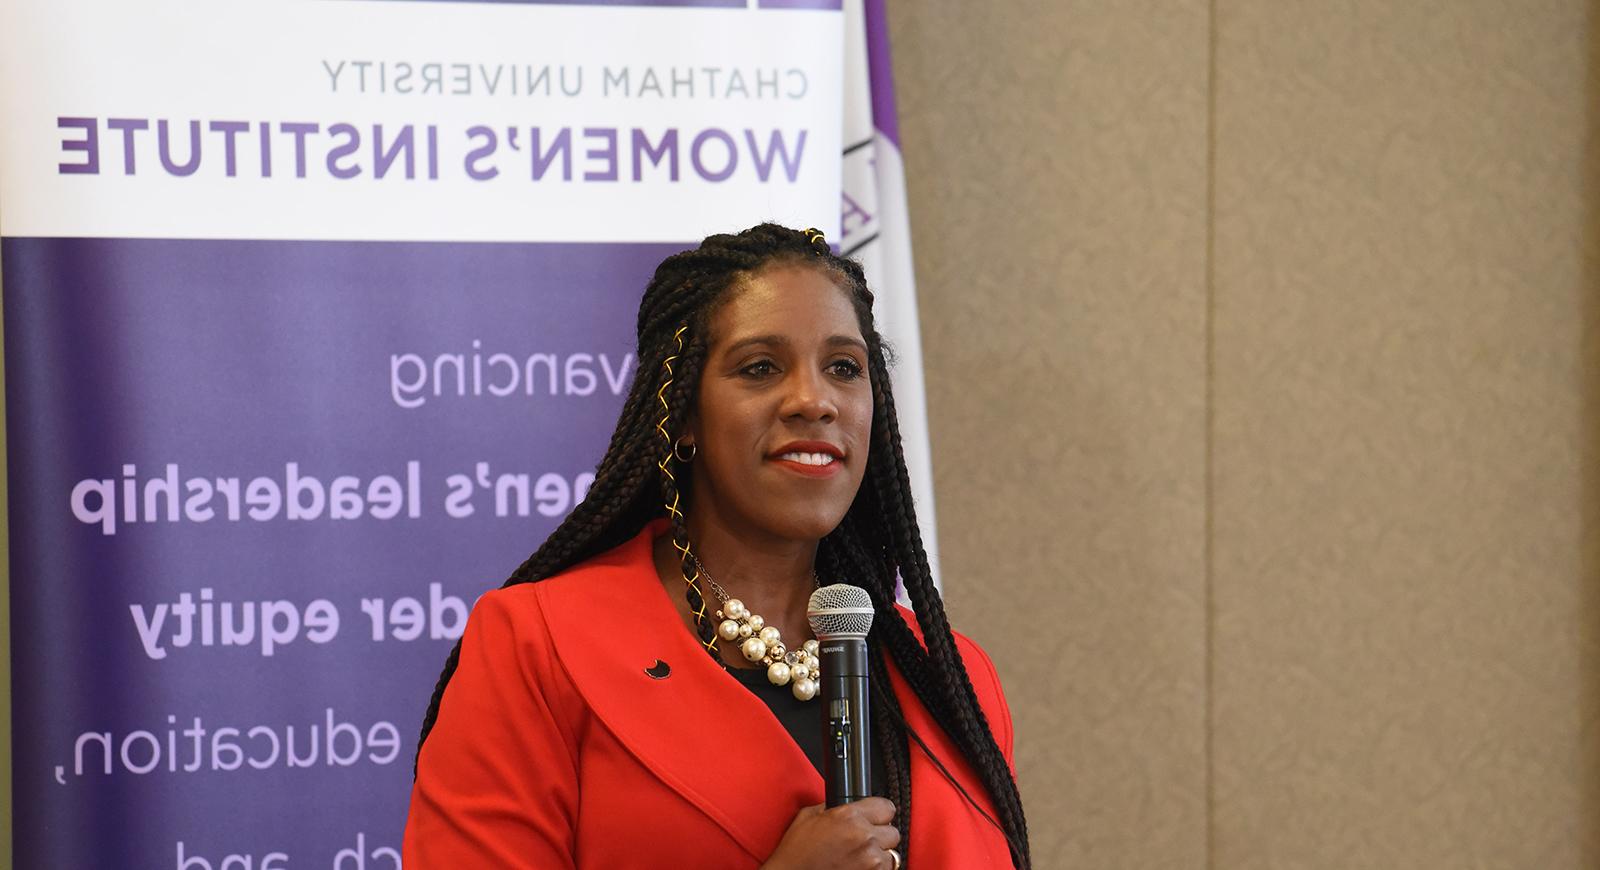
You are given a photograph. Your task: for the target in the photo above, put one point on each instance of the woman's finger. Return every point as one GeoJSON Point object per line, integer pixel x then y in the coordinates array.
{"type": "Point", "coordinates": [876, 810]}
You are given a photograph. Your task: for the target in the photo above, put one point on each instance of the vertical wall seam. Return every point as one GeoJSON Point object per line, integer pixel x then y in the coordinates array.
{"type": "Point", "coordinates": [1209, 500]}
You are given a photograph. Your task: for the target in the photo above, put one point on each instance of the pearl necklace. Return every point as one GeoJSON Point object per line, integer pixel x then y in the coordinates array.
{"type": "Point", "coordinates": [763, 643]}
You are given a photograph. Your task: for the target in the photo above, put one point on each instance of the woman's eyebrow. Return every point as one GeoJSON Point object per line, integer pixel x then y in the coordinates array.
{"type": "Point", "coordinates": [770, 340]}
{"type": "Point", "coordinates": [775, 340]}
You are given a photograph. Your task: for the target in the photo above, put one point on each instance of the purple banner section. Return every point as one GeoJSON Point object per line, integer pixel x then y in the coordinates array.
{"type": "Point", "coordinates": [254, 488]}
{"type": "Point", "coordinates": [880, 71]}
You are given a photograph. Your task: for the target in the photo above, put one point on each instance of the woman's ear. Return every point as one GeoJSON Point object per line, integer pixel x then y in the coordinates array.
{"type": "Point", "coordinates": [691, 429]}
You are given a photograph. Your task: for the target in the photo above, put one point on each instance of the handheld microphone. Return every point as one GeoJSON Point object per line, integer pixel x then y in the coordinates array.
{"type": "Point", "coordinates": [840, 617]}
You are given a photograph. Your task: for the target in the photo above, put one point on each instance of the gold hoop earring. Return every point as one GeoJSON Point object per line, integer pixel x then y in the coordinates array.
{"type": "Point", "coordinates": [677, 449]}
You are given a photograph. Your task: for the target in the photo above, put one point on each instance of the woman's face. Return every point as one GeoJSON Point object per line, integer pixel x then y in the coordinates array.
{"type": "Point", "coordinates": [784, 415]}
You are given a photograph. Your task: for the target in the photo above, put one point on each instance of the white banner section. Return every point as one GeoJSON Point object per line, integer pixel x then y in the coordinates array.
{"type": "Point", "coordinates": [430, 121]}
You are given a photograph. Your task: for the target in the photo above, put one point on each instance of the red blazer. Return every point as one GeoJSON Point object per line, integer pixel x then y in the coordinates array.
{"type": "Point", "coordinates": [554, 749]}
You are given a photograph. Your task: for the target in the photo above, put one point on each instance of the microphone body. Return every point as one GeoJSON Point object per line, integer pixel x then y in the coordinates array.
{"type": "Point", "coordinates": [846, 720]}
{"type": "Point", "coordinates": [840, 617]}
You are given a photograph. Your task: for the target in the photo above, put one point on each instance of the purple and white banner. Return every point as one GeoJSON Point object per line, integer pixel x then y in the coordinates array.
{"type": "Point", "coordinates": [317, 317]}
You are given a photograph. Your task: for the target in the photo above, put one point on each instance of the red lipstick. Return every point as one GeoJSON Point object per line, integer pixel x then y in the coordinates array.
{"type": "Point", "coordinates": [809, 458]}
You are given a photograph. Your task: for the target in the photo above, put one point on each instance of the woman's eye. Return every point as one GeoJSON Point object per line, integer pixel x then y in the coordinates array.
{"type": "Point", "coordinates": [759, 369]}
{"type": "Point", "coordinates": [846, 368]}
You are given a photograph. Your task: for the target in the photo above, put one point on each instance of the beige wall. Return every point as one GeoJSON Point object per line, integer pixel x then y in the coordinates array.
{"type": "Point", "coordinates": [1263, 351]}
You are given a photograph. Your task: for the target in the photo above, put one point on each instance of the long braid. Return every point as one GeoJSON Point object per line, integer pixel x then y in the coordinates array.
{"type": "Point", "coordinates": [877, 543]}
{"type": "Point", "coordinates": [889, 738]}
{"type": "Point", "coordinates": [671, 491]}
{"type": "Point", "coordinates": [961, 717]}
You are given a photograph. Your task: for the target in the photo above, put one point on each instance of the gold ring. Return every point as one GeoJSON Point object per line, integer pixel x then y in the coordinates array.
{"type": "Point", "coordinates": [895, 857]}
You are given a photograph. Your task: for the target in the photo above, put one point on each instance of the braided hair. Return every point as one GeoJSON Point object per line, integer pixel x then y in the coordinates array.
{"type": "Point", "coordinates": [876, 544]}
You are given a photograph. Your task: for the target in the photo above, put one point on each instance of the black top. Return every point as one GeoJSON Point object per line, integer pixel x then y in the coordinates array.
{"type": "Point", "coordinates": [802, 719]}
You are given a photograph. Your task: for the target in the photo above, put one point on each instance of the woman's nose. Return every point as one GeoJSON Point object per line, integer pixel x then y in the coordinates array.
{"type": "Point", "coordinates": [810, 397]}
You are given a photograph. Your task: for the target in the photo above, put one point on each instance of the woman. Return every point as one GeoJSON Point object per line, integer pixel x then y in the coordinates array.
{"type": "Point", "coordinates": [639, 694]}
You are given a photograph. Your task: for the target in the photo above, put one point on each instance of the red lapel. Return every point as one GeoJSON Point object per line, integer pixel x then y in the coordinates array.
{"type": "Point", "coordinates": [615, 621]}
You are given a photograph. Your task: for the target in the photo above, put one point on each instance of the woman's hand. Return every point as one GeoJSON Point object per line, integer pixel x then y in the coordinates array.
{"type": "Point", "coordinates": [856, 836]}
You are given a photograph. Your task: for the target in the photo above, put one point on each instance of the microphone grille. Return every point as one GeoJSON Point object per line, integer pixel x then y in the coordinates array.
{"type": "Point", "coordinates": [840, 610]}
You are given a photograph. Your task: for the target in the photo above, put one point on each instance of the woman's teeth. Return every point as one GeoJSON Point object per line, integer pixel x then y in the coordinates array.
{"type": "Point", "coordinates": [808, 458]}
